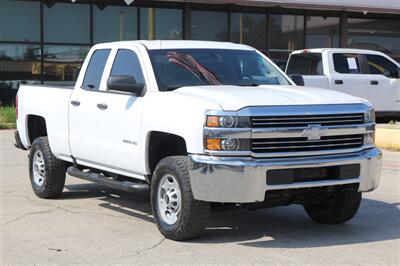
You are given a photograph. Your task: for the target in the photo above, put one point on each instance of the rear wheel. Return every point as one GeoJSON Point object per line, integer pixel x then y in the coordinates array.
{"type": "Point", "coordinates": [178, 215]}
{"type": "Point", "coordinates": [47, 173]}
{"type": "Point", "coordinates": [340, 209]}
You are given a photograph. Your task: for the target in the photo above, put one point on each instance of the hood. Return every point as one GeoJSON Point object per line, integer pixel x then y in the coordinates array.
{"type": "Point", "coordinates": [233, 98]}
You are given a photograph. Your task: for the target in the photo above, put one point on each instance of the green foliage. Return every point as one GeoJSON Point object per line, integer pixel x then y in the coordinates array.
{"type": "Point", "coordinates": [7, 117]}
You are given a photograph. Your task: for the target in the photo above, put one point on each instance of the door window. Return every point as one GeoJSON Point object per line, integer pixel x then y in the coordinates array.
{"type": "Point", "coordinates": [305, 64]}
{"type": "Point", "coordinates": [95, 69]}
{"type": "Point", "coordinates": [382, 66]}
{"type": "Point", "coordinates": [346, 63]}
{"type": "Point", "coordinates": [127, 63]}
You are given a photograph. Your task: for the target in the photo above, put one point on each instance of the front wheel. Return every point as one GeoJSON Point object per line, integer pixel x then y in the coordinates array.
{"type": "Point", "coordinates": [47, 173]}
{"type": "Point", "coordinates": [178, 215]}
{"type": "Point", "coordinates": [340, 209]}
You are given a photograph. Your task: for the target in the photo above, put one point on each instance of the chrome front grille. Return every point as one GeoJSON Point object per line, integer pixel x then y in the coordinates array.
{"type": "Point", "coordinates": [302, 144]}
{"type": "Point", "coordinates": [306, 120]}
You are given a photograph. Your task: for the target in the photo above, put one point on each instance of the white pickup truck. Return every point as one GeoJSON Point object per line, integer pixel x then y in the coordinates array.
{"type": "Point", "coordinates": [367, 74]}
{"type": "Point", "coordinates": [200, 123]}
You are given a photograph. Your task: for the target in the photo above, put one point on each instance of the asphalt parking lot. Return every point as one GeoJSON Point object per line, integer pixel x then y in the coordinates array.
{"type": "Point", "coordinates": [93, 225]}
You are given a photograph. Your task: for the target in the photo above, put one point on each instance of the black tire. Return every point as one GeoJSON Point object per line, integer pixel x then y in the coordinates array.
{"type": "Point", "coordinates": [343, 207]}
{"type": "Point", "coordinates": [193, 215]}
{"type": "Point", "coordinates": [54, 170]}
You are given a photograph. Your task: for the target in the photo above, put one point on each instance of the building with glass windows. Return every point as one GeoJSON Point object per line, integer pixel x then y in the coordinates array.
{"type": "Point", "coordinates": [43, 41]}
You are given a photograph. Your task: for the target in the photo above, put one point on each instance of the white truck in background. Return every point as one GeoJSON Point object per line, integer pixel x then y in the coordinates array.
{"type": "Point", "coordinates": [366, 74]}
{"type": "Point", "coordinates": [200, 123]}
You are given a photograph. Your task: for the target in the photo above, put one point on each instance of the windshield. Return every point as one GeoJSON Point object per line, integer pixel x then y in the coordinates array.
{"type": "Point", "coordinates": [194, 67]}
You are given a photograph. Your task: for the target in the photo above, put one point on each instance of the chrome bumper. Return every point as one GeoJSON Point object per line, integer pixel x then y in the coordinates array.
{"type": "Point", "coordinates": [243, 180]}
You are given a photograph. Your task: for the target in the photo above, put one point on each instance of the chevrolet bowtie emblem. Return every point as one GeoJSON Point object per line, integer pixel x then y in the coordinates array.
{"type": "Point", "coordinates": [313, 132]}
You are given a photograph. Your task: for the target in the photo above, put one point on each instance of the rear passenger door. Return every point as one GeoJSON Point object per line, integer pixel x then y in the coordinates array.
{"type": "Point", "coordinates": [384, 83]}
{"type": "Point", "coordinates": [84, 115]}
{"type": "Point", "coordinates": [346, 74]}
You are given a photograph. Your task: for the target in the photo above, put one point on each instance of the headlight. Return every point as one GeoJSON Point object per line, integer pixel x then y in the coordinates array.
{"type": "Point", "coordinates": [226, 144]}
{"type": "Point", "coordinates": [369, 138]}
{"type": "Point", "coordinates": [227, 121]}
{"type": "Point", "coordinates": [369, 116]}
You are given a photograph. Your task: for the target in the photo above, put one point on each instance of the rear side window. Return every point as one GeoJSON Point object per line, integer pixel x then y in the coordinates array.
{"type": "Point", "coordinates": [346, 63]}
{"type": "Point", "coordinates": [382, 66]}
{"type": "Point", "coordinates": [127, 63]}
{"type": "Point", "coordinates": [95, 69]}
{"type": "Point", "coordinates": [305, 64]}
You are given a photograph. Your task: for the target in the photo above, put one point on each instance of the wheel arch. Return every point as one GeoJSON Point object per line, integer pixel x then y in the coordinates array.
{"type": "Point", "coordinates": [160, 144]}
{"type": "Point", "coordinates": [36, 127]}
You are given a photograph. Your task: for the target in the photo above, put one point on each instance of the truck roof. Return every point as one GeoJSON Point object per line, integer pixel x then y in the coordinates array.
{"type": "Point", "coordinates": [183, 44]}
{"type": "Point", "coordinates": [340, 50]}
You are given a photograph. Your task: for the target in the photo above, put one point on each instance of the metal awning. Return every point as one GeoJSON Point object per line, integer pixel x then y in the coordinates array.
{"type": "Point", "coordinates": [365, 6]}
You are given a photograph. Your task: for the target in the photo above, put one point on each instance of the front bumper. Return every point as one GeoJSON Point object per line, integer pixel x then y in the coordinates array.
{"type": "Point", "coordinates": [243, 180]}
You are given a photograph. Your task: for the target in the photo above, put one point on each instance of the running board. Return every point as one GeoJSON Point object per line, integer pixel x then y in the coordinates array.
{"type": "Point", "coordinates": [127, 186]}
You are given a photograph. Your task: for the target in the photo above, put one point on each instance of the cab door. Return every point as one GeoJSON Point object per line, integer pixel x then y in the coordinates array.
{"type": "Point", "coordinates": [346, 75]}
{"type": "Point", "coordinates": [119, 127]}
{"type": "Point", "coordinates": [384, 83]}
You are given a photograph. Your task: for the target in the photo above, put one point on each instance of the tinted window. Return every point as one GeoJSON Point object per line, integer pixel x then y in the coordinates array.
{"type": "Point", "coordinates": [305, 64]}
{"type": "Point", "coordinates": [346, 63]}
{"type": "Point", "coordinates": [114, 21]}
{"type": "Point", "coordinates": [209, 25]}
{"type": "Point", "coordinates": [62, 63]}
{"type": "Point", "coordinates": [20, 20]}
{"type": "Point", "coordinates": [95, 69]}
{"type": "Point", "coordinates": [375, 34]}
{"type": "Point", "coordinates": [195, 67]}
{"type": "Point", "coordinates": [66, 22]}
{"type": "Point", "coordinates": [322, 32]}
{"type": "Point", "coordinates": [286, 32]}
{"type": "Point", "coordinates": [160, 23]}
{"type": "Point", "coordinates": [249, 28]}
{"type": "Point", "coordinates": [379, 65]}
{"type": "Point", "coordinates": [127, 63]}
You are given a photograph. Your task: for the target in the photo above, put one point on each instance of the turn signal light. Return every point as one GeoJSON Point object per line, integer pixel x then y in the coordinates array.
{"type": "Point", "coordinates": [213, 121]}
{"type": "Point", "coordinates": [213, 144]}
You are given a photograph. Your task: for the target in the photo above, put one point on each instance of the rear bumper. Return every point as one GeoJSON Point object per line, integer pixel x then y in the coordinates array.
{"type": "Point", "coordinates": [243, 180]}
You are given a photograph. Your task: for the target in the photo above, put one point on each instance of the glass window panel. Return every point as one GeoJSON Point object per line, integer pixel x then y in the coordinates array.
{"type": "Point", "coordinates": [126, 63]}
{"type": "Point", "coordinates": [114, 23]}
{"type": "Point", "coordinates": [20, 21]}
{"type": "Point", "coordinates": [19, 63]}
{"type": "Point", "coordinates": [249, 28]}
{"type": "Point", "coordinates": [280, 58]}
{"type": "Point", "coordinates": [305, 64]}
{"type": "Point", "coordinates": [346, 63]}
{"type": "Point", "coordinates": [209, 25]}
{"type": "Point", "coordinates": [375, 34]}
{"type": "Point", "coordinates": [380, 65]}
{"type": "Point", "coordinates": [95, 69]}
{"type": "Point", "coordinates": [62, 63]}
{"type": "Point", "coordinates": [66, 22]}
{"type": "Point", "coordinates": [322, 32]}
{"type": "Point", "coordinates": [160, 23]}
{"type": "Point", "coordinates": [286, 32]}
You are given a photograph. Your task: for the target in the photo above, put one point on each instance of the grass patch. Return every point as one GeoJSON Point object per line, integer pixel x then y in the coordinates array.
{"type": "Point", "coordinates": [7, 117]}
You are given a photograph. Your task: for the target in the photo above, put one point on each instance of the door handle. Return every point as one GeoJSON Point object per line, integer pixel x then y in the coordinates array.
{"type": "Point", "coordinates": [102, 106]}
{"type": "Point", "coordinates": [339, 82]}
{"type": "Point", "coordinates": [75, 102]}
{"type": "Point", "coordinates": [374, 82]}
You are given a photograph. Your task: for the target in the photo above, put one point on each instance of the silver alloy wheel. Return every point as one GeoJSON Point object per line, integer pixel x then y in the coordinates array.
{"type": "Point", "coordinates": [38, 168]}
{"type": "Point", "coordinates": [169, 199]}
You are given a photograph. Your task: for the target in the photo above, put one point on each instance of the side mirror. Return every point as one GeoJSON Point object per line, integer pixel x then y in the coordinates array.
{"type": "Point", "coordinates": [298, 79]}
{"type": "Point", "coordinates": [125, 84]}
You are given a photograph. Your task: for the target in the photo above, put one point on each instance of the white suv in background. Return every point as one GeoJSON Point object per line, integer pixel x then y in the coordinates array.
{"type": "Point", "coordinates": [363, 73]}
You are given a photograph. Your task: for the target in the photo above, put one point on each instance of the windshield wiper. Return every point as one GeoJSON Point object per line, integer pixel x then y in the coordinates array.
{"type": "Point", "coordinates": [250, 85]}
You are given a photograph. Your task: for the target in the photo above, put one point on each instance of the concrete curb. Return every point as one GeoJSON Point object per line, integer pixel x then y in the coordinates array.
{"type": "Point", "coordinates": [388, 138]}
